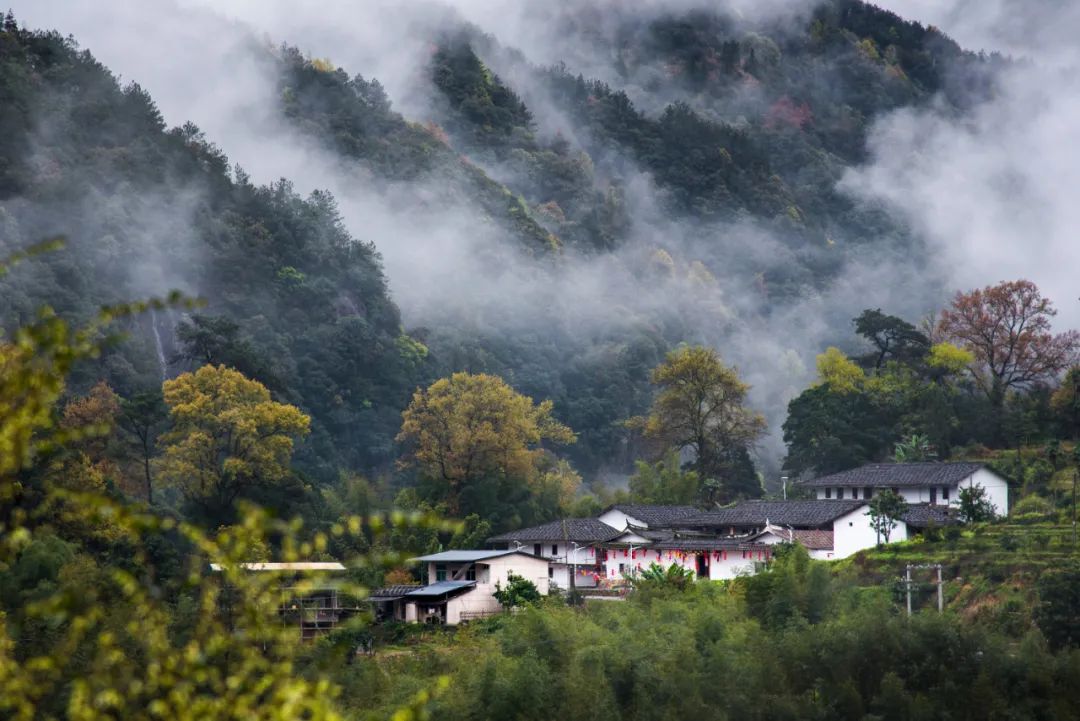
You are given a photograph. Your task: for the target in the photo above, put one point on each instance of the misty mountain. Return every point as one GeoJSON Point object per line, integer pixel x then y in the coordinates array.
{"type": "Point", "coordinates": [670, 175]}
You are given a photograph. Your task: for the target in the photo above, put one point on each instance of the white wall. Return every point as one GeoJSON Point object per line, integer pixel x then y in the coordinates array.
{"type": "Point", "coordinates": [721, 564]}
{"type": "Point", "coordinates": [852, 532]}
{"type": "Point", "coordinates": [820, 554]}
{"type": "Point", "coordinates": [619, 520]}
{"type": "Point", "coordinates": [997, 489]}
{"type": "Point", "coordinates": [533, 569]}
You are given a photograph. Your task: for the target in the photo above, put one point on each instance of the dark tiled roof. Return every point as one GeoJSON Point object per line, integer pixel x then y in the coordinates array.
{"type": "Point", "coordinates": [887, 475]}
{"type": "Point", "coordinates": [391, 592]}
{"type": "Point", "coordinates": [708, 544]}
{"type": "Point", "coordinates": [656, 515]}
{"type": "Point", "coordinates": [654, 534]}
{"type": "Point", "coordinates": [588, 530]}
{"type": "Point", "coordinates": [921, 515]}
{"type": "Point", "coordinates": [803, 514]}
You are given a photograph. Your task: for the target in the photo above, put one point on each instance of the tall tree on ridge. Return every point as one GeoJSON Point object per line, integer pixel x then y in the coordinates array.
{"type": "Point", "coordinates": [1007, 327]}
{"type": "Point", "coordinates": [701, 406]}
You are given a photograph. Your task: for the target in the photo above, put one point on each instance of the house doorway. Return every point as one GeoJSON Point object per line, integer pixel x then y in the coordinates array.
{"type": "Point", "coordinates": [702, 565]}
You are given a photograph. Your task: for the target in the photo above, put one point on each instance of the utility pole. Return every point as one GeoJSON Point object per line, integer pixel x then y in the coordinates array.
{"type": "Point", "coordinates": [940, 592]}
{"type": "Point", "coordinates": [783, 484]}
{"type": "Point", "coordinates": [1076, 473]}
{"type": "Point", "coordinates": [907, 587]}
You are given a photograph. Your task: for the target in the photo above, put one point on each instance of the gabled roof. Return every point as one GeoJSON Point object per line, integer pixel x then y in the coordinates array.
{"type": "Point", "coordinates": [441, 589]}
{"type": "Point", "coordinates": [888, 475]}
{"type": "Point", "coordinates": [294, 566]}
{"type": "Point", "coordinates": [582, 530]}
{"type": "Point", "coordinates": [469, 556]}
{"type": "Point", "coordinates": [655, 515]}
{"type": "Point", "coordinates": [800, 514]}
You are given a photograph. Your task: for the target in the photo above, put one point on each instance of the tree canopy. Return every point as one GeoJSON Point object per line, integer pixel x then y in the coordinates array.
{"type": "Point", "coordinates": [700, 406]}
{"type": "Point", "coordinates": [227, 437]}
{"type": "Point", "coordinates": [467, 427]}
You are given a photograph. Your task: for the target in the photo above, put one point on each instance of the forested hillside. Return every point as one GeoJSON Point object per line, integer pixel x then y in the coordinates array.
{"type": "Point", "coordinates": [615, 258]}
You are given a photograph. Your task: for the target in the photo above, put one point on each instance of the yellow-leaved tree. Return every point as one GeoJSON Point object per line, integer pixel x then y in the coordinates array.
{"type": "Point", "coordinates": [700, 406]}
{"type": "Point", "coordinates": [465, 427]}
{"type": "Point", "coordinates": [227, 437]}
{"type": "Point", "coordinates": [839, 372]}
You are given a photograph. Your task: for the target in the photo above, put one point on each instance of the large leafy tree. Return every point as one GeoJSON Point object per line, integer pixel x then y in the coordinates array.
{"type": "Point", "coordinates": [227, 437]}
{"type": "Point", "coordinates": [892, 338]}
{"type": "Point", "coordinates": [465, 428]}
{"type": "Point", "coordinates": [1058, 612]}
{"type": "Point", "coordinates": [1007, 328]}
{"type": "Point", "coordinates": [886, 509]}
{"type": "Point", "coordinates": [826, 431]}
{"type": "Point", "coordinates": [701, 406]}
{"type": "Point", "coordinates": [1066, 403]}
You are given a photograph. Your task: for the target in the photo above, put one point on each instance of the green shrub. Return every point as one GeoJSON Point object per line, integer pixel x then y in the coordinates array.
{"type": "Point", "coordinates": [1033, 505]}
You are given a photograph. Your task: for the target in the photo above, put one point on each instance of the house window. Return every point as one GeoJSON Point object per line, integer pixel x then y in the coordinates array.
{"type": "Point", "coordinates": [470, 574]}
{"type": "Point", "coordinates": [828, 493]}
{"type": "Point", "coordinates": [933, 496]}
{"type": "Point", "coordinates": [551, 572]}
{"type": "Point", "coordinates": [855, 493]}
{"type": "Point", "coordinates": [537, 550]}
{"type": "Point", "coordinates": [440, 572]}
{"type": "Point", "coordinates": [945, 493]}
{"type": "Point", "coordinates": [554, 549]}
{"type": "Point", "coordinates": [839, 494]}
{"type": "Point", "coordinates": [867, 492]}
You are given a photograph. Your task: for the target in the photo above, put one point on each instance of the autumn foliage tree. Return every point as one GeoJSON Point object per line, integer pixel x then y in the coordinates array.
{"type": "Point", "coordinates": [1007, 328]}
{"type": "Point", "coordinates": [701, 406]}
{"type": "Point", "coordinates": [467, 427]}
{"type": "Point", "coordinates": [227, 437]}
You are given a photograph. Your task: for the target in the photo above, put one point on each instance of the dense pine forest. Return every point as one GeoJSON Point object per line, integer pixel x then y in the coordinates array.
{"type": "Point", "coordinates": [622, 262]}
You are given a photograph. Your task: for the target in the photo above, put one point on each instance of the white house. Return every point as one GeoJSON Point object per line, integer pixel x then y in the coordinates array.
{"type": "Point", "coordinates": [461, 586]}
{"type": "Point", "coordinates": [930, 483]}
{"type": "Point", "coordinates": [843, 522]}
{"type": "Point", "coordinates": [571, 545]}
{"type": "Point", "coordinates": [709, 557]}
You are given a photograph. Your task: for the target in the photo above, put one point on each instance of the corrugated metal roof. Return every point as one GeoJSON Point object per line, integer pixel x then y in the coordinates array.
{"type": "Point", "coordinates": [470, 556]}
{"type": "Point", "coordinates": [390, 593]}
{"type": "Point", "coordinates": [294, 566]}
{"type": "Point", "coordinates": [441, 588]}
{"type": "Point", "coordinates": [888, 475]}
